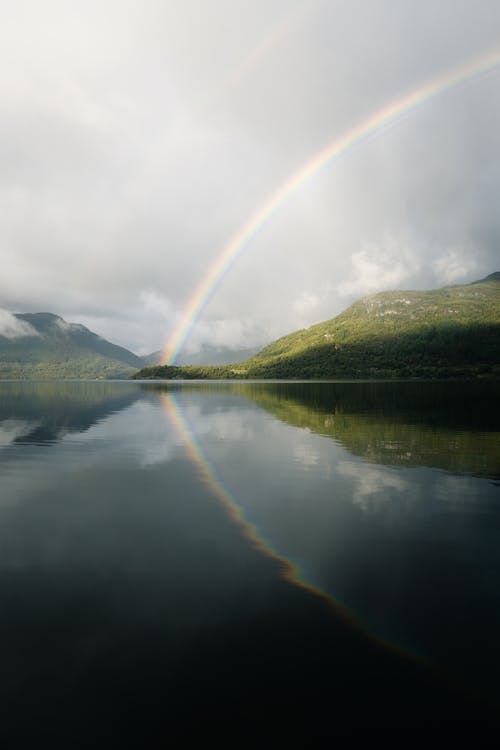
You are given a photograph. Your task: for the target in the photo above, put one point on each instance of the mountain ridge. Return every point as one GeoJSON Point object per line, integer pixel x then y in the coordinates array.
{"type": "Point", "coordinates": [44, 345]}
{"type": "Point", "coordinates": [453, 331]}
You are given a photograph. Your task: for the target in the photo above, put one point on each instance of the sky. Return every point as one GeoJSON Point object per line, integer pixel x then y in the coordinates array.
{"type": "Point", "coordinates": [137, 137]}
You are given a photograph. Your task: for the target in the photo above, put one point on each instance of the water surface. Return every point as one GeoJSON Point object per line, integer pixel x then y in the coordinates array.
{"type": "Point", "coordinates": [248, 559]}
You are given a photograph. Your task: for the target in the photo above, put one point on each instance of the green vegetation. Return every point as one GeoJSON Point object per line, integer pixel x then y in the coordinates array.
{"type": "Point", "coordinates": [444, 333]}
{"type": "Point", "coordinates": [62, 350]}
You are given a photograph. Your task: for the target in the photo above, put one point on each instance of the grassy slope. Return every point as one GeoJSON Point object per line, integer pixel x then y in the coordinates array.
{"type": "Point", "coordinates": [454, 331]}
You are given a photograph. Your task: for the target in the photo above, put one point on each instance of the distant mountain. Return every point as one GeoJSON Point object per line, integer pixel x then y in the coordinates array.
{"type": "Point", "coordinates": [209, 355]}
{"type": "Point", "coordinates": [217, 355]}
{"type": "Point", "coordinates": [43, 345]}
{"type": "Point", "coordinates": [448, 332]}
{"type": "Point", "coordinates": [152, 359]}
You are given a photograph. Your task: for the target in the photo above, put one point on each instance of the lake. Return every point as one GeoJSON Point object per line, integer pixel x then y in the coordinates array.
{"type": "Point", "coordinates": [250, 562]}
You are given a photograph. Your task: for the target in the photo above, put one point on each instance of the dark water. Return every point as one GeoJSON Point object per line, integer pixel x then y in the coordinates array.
{"type": "Point", "coordinates": [253, 563]}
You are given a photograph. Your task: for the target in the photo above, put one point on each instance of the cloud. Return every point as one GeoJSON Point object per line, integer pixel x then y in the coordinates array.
{"type": "Point", "coordinates": [377, 268]}
{"type": "Point", "coordinates": [136, 139]}
{"type": "Point", "coordinates": [455, 265]}
{"type": "Point", "coordinates": [306, 303]}
{"type": "Point", "coordinates": [13, 328]}
{"type": "Point", "coordinates": [231, 333]}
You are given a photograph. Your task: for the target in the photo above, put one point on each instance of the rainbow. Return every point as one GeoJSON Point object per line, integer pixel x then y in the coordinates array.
{"type": "Point", "coordinates": [294, 17]}
{"type": "Point", "coordinates": [340, 146]}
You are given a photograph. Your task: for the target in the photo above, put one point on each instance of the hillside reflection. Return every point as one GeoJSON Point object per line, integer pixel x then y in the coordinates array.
{"type": "Point", "coordinates": [452, 426]}
{"type": "Point", "coordinates": [43, 412]}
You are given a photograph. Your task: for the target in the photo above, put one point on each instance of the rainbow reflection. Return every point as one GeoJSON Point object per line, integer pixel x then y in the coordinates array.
{"type": "Point", "coordinates": [289, 571]}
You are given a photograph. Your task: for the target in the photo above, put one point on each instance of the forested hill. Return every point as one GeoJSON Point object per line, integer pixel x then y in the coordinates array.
{"type": "Point", "coordinates": [43, 345]}
{"type": "Point", "coordinates": [449, 332]}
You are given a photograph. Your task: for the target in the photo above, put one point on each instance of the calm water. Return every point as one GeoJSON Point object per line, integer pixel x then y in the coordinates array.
{"type": "Point", "coordinates": [247, 561]}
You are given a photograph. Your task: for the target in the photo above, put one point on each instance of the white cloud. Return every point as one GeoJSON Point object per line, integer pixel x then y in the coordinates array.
{"type": "Point", "coordinates": [376, 268]}
{"type": "Point", "coordinates": [13, 328]}
{"type": "Point", "coordinates": [306, 303]}
{"type": "Point", "coordinates": [455, 266]}
{"type": "Point", "coordinates": [137, 138]}
{"type": "Point", "coordinates": [226, 333]}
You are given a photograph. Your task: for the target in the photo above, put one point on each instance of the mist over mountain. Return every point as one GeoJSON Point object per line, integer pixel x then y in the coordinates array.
{"type": "Point", "coordinates": [44, 345]}
{"type": "Point", "coordinates": [216, 355]}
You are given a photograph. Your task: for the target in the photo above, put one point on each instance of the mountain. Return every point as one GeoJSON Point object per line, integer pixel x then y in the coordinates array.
{"type": "Point", "coordinates": [43, 345]}
{"type": "Point", "coordinates": [152, 359]}
{"type": "Point", "coordinates": [208, 355]}
{"type": "Point", "coordinates": [448, 332]}
{"type": "Point", "coordinates": [217, 355]}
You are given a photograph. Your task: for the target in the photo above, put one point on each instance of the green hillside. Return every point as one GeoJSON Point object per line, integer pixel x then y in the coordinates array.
{"type": "Point", "coordinates": [46, 346]}
{"type": "Point", "coordinates": [448, 332]}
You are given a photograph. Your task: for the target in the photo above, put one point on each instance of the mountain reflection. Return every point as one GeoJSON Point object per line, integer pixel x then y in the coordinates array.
{"type": "Point", "coordinates": [43, 412]}
{"type": "Point", "coordinates": [450, 426]}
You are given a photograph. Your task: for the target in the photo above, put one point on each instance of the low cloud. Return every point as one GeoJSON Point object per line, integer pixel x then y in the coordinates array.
{"type": "Point", "coordinates": [375, 269]}
{"type": "Point", "coordinates": [228, 333]}
{"type": "Point", "coordinates": [454, 266]}
{"type": "Point", "coordinates": [306, 303]}
{"type": "Point", "coordinates": [13, 328]}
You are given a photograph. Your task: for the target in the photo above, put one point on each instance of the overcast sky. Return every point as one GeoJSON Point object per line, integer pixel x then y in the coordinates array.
{"type": "Point", "coordinates": [137, 136]}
